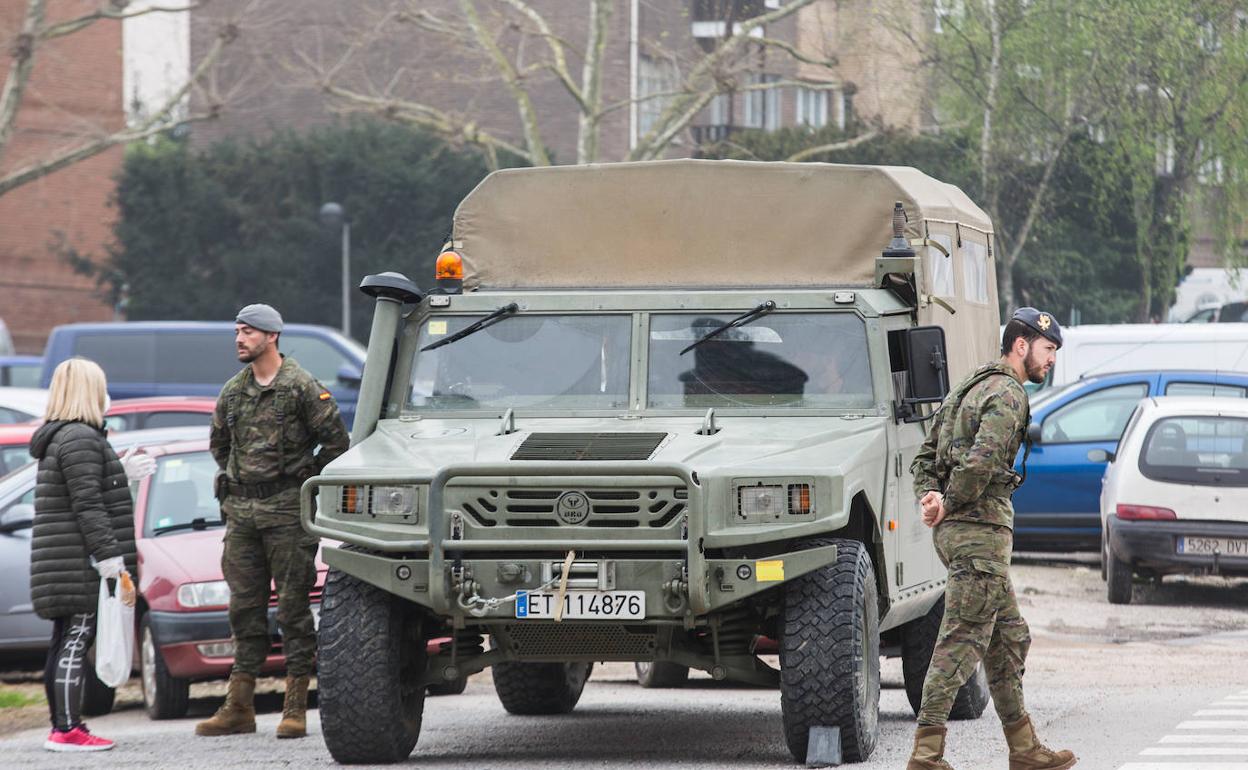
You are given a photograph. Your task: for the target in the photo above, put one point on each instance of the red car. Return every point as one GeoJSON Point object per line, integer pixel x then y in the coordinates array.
{"type": "Point", "coordinates": [184, 630]}
{"type": "Point", "coordinates": [125, 414]}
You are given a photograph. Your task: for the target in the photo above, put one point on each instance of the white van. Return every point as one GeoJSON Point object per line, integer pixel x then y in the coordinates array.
{"type": "Point", "coordinates": [1104, 348]}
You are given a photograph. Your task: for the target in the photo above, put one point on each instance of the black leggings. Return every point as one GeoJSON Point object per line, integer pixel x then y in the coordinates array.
{"type": "Point", "coordinates": [67, 669]}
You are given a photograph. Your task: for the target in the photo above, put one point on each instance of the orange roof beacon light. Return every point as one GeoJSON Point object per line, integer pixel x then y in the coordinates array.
{"type": "Point", "coordinates": [449, 273]}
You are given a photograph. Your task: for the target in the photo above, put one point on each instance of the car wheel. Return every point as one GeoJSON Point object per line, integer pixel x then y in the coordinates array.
{"type": "Point", "coordinates": [661, 674]}
{"type": "Point", "coordinates": [540, 688]}
{"type": "Point", "coordinates": [1118, 578]}
{"type": "Point", "coordinates": [830, 653]}
{"type": "Point", "coordinates": [370, 660]}
{"type": "Point", "coordinates": [918, 640]}
{"type": "Point", "coordinates": [164, 696]}
{"type": "Point", "coordinates": [97, 697]}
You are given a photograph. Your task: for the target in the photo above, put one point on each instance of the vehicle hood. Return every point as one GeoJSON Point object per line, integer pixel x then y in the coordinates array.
{"type": "Point", "coordinates": [797, 444]}
{"type": "Point", "coordinates": [184, 557]}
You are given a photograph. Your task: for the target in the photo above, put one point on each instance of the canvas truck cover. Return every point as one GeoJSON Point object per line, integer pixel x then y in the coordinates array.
{"type": "Point", "coordinates": [699, 224]}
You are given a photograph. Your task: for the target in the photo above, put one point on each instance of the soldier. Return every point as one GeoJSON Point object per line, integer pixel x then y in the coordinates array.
{"type": "Point", "coordinates": [964, 478]}
{"type": "Point", "coordinates": [269, 419]}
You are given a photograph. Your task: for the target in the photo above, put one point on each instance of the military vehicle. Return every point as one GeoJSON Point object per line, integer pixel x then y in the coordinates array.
{"type": "Point", "coordinates": [653, 412]}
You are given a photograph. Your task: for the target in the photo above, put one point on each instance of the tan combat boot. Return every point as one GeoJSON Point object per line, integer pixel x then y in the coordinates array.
{"type": "Point", "coordinates": [929, 749]}
{"type": "Point", "coordinates": [1028, 753]}
{"type": "Point", "coordinates": [294, 722]}
{"type": "Point", "coordinates": [238, 713]}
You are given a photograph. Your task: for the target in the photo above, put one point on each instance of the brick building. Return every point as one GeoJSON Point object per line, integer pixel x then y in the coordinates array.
{"type": "Point", "coordinates": [75, 90]}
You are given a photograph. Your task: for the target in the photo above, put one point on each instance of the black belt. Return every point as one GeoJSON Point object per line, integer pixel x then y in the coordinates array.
{"type": "Point", "coordinates": [263, 489]}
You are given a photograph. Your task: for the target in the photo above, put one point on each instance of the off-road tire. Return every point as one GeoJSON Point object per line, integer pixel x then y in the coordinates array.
{"type": "Point", "coordinates": [97, 697]}
{"type": "Point", "coordinates": [830, 653]}
{"type": "Point", "coordinates": [455, 687]}
{"type": "Point", "coordinates": [370, 659]}
{"type": "Point", "coordinates": [1118, 577]}
{"type": "Point", "coordinates": [164, 696]}
{"type": "Point", "coordinates": [661, 674]}
{"type": "Point", "coordinates": [540, 688]}
{"type": "Point", "coordinates": [918, 639]}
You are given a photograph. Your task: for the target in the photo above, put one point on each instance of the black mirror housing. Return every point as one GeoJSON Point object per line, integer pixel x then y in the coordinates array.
{"type": "Point", "coordinates": [927, 366]}
{"type": "Point", "coordinates": [1033, 433]}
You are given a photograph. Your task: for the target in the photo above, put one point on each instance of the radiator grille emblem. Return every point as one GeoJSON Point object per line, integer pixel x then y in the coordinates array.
{"type": "Point", "coordinates": [572, 507]}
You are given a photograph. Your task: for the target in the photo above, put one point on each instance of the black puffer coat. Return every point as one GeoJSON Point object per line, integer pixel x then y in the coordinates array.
{"type": "Point", "coordinates": [82, 509]}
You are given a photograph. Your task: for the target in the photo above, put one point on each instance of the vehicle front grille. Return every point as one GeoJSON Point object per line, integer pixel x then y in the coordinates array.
{"type": "Point", "coordinates": [589, 446]}
{"type": "Point", "coordinates": [652, 506]}
{"type": "Point", "coordinates": [562, 640]}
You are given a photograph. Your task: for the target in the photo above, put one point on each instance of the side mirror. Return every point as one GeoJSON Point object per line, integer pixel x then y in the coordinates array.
{"type": "Point", "coordinates": [1033, 433]}
{"type": "Point", "coordinates": [927, 368]}
{"type": "Point", "coordinates": [17, 516]}
{"type": "Point", "coordinates": [350, 375]}
{"type": "Point", "coordinates": [1101, 456]}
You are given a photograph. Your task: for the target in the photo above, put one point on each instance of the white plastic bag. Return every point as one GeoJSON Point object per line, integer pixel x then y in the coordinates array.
{"type": "Point", "coordinates": [114, 635]}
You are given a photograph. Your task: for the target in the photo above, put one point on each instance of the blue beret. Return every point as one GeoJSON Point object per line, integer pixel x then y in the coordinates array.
{"type": "Point", "coordinates": [1042, 322]}
{"type": "Point", "coordinates": [262, 317]}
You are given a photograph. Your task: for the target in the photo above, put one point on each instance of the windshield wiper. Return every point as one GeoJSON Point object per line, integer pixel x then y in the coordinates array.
{"type": "Point", "coordinates": [740, 320]}
{"type": "Point", "coordinates": [475, 327]}
{"type": "Point", "coordinates": [196, 523]}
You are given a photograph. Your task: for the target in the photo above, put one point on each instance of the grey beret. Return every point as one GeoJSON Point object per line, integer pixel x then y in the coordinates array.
{"type": "Point", "coordinates": [262, 317]}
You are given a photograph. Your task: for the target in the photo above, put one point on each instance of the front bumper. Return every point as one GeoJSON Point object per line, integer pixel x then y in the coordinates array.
{"type": "Point", "coordinates": [1154, 545]}
{"type": "Point", "coordinates": [178, 636]}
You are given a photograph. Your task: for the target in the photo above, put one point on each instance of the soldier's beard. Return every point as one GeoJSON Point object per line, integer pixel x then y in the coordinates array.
{"type": "Point", "coordinates": [246, 355]}
{"type": "Point", "coordinates": [1034, 366]}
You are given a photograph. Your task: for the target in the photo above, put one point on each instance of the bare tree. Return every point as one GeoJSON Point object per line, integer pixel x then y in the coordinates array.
{"type": "Point", "coordinates": [37, 32]}
{"type": "Point", "coordinates": [520, 47]}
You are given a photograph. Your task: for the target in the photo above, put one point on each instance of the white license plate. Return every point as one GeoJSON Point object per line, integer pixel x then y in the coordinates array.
{"type": "Point", "coordinates": [583, 605]}
{"type": "Point", "coordinates": [1208, 545]}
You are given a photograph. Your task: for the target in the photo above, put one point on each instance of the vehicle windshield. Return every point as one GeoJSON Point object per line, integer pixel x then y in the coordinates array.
{"type": "Point", "coordinates": [1206, 450]}
{"type": "Point", "coordinates": [180, 492]}
{"type": "Point", "coordinates": [534, 361]}
{"type": "Point", "coordinates": [781, 359]}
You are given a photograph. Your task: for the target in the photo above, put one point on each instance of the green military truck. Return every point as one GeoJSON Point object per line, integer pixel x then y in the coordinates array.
{"type": "Point", "coordinates": [653, 412]}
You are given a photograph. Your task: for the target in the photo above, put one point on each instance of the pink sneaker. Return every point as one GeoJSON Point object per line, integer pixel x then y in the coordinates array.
{"type": "Point", "coordinates": [77, 739]}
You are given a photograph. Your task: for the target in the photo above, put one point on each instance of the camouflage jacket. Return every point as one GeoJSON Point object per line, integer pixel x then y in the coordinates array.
{"type": "Point", "coordinates": [263, 433]}
{"type": "Point", "coordinates": [970, 449]}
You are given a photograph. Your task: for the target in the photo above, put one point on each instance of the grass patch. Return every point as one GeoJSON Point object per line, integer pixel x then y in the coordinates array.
{"type": "Point", "coordinates": [13, 699]}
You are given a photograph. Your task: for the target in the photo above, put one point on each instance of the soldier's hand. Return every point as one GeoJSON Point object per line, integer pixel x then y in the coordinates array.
{"type": "Point", "coordinates": [933, 504]}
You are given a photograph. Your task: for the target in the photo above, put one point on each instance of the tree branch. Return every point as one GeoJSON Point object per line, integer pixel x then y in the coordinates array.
{"type": "Point", "coordinates": [108, 11]}
{"type": "Point", "coordinates": [791, 50]}
{"type": "Point", "coordinates": [559, 65]}
{"type": "Point", "coordinates": [846, 144]}
{"type": "Point", "coordinates": [23, 56]}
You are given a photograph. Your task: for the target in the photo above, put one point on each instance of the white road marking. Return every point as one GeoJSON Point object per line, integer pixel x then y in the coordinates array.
{"type": "Point", "coordinates": [1185, 766]}
{"type": "Point", "coordinates": [1204, 739]}
{"type": "Point", "coordinates": [1188, 749]}
{"type": "Point", "coordinates": [1196, 751]}
{"type": "Point", "coordinates": [1222, 713]}
{"type": "Point", "coordinates": [1210, 724]}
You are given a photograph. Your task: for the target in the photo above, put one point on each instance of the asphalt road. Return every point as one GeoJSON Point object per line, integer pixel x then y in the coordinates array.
{"type": "Point", "coordinates": [1159, 685]}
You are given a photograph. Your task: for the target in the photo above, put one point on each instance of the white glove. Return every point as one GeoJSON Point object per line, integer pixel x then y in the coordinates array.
{"type": "Point", "coordinates": [138, 466]}
{"type": "Point", "coordinates": [110, 568]}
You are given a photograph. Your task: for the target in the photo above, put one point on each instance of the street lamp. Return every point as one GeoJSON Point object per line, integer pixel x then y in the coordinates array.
{"type": "Point", "coordinates": [333, 215]}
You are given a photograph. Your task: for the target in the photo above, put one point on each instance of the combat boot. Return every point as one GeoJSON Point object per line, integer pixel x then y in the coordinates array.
{"type": "Point", "coordinates": [238, 713]}
{"type": "Point", "coordinates": [294, 722]}
{"type": "Point", "coordinates": [1028, 753]}
{"type": "Point", "coordinates": [929, 749]}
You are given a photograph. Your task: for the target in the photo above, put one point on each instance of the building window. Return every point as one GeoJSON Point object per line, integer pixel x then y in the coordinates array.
{"type": "Point", "coordinates": [812, 107]}
{"type": "Point", "coordinates": [762, 106]}
{"type": "Point", "coordinates": [720, 109]}
{"type": "Point", "coordinates": [654, 77]}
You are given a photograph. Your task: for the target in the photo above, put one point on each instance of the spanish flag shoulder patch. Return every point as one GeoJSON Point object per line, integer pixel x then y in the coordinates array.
{"type": "Point", "coordinates": [324, 396]}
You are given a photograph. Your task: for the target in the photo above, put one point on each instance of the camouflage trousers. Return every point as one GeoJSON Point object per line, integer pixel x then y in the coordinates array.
{"type": "Point", "coordinates": [982, 622]}
{"type": "Point", "coordinates": [255, 558]}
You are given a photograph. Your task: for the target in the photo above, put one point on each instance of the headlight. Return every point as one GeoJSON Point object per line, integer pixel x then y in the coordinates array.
{"type": "Point", "coordinates": [771, 500]}
{"type": "Point", "coordinates": [761, 501]}
{"type": "Point", "coordinates": [212, 594]}
{"type": "Point", "coordinates": [379, 500]}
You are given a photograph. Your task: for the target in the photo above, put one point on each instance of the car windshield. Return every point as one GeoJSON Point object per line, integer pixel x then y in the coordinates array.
{"type": "Point", "coordinates": [521, 360]}
{"type": "Point", "coordinates": [1206, 450]}
{"type": "Point", "coordinates": [180, 492]}
{"type": "Point", "coordinates": [780, 359]}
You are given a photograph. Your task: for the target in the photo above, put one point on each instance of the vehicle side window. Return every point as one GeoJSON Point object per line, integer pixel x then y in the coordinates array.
{"type": "Point", "coordinates": [119, 422]}
{"type": "Point", "coordinates": [23, 376]}
{"type": "Point", "coordinates": [1098, 416]}
{"type": "Point", "coordinates": [176, 419]}
{"type": "Point", "coordinates": [321, 359]}
{"type": "Point", "coordinates": [1203, 317]}
{"type": "Point", "coordinates": [14, 457]}
{"type": "Point", "coordinates": [123, 357]}
{"type": "Point", "coordinates": [10, 416]}
{"type": "Point", "coordinates": [975, 271]}
{"type": "Point", "coordinates": [1205, 389]}
{"type": "Point", "coordinates": [196, 357]}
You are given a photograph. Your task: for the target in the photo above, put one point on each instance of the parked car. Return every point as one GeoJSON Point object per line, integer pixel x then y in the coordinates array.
{"type": "Point", "coordinates": [21, 404]}
{"type": "Point", "coordinates": [1058, 507]}
{"type": "Point", "coordinates": [195, 358]}
{"type": "Point", "coordinates": [15, 446]}
{"type": "Point", "coordinates": [1231, 312]}
{"type": "Point", "coordinates": [20, 371]}
{"type": "Point", "coordinates": [1097, 349]}
{"type": "Point", "coordinates": [1175, 498]}
{"type": "Point", "coordinates": [183, 622]}
{"type": "Point", "coordinates": [23, 634]}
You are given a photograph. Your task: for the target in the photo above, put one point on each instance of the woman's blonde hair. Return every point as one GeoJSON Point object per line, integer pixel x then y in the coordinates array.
{"type": "Point", "coordinates": [77, 392]}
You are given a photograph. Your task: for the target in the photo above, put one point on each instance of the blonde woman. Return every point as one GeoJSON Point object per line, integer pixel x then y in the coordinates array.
{"type": "Point", "coordinates": [83, 531]}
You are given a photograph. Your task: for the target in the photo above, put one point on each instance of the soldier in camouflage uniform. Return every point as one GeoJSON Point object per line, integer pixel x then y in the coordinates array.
{"type": "Point", "coordinates": [269, 419]}
{"type": "Point", "coordinates": [964, 478]}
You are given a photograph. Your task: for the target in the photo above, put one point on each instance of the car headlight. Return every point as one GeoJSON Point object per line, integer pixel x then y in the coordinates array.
{"type": "Point", "coordinates": [761, 501]}
{"type": "Point", "coordinates": [764, 500]}
{"type": "Point", "coordinates": [215, 593]}
{"type": "Point", "coordinates": [379, 500]}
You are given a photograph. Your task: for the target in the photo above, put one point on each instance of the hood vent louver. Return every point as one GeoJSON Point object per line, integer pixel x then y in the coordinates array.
{"type": "Point", "coordinates": [589, 446]}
